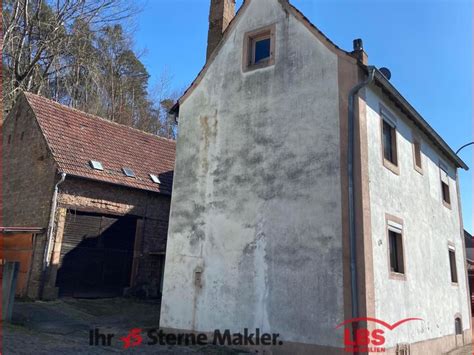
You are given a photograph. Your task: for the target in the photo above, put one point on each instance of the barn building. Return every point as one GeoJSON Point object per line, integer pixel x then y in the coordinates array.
{"type": "Point", "coordinates": [99, 192]}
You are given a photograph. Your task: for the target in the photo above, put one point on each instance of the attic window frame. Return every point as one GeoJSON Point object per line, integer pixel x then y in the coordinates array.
{"type": "Point", "coordinates": [417, 155]}
{"type": "Point", "coordinates": [445, 185]}
{"type": "Point", "coordinates": [250, 40]}
{"type": "Point", "coordinates": [155, 179]}
{"type": "Point", "coordinates": [96, 165]}
{"type": "Point", "coordinates": [128, 174]}
{"type": "Point", "coordinates": [389, 121]}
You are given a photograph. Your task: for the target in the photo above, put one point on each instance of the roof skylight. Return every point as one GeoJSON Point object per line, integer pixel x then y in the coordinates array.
{"type": "Point", "coordinates": [155, 179]}
{"type": "Point", "coordinates": [128, 172]}
{"type": "Point", "coordinates": [96, 165]}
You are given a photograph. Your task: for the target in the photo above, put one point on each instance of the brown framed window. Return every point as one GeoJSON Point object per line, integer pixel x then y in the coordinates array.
{"type": "Point", "coordinates": [388, 132]}
{"type": "Point", "coordinates": [452, 265]}
{"type": "Point", "coordinates": [389, 143]}
{"type": "Point", "coordinates": [446, 196]}
{"type": "Point", "coordinates": [395, 247]}
{"type": "Point", "coordinates": [445, 190]}
{"type": "Point", "coordinates": [259, 48]}
{"type": "Point", "coordinates": [417, 155]}
{"type": "Point", "coordinates": [396, 252]}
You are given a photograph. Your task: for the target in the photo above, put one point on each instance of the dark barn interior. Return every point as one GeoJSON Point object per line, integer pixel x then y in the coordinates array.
{"type": "Point", "coordinates": [96, 255]}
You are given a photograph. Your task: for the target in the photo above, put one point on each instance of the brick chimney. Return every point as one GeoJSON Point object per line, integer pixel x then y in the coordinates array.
{"type": "Point", "coordinates": [220, 15]}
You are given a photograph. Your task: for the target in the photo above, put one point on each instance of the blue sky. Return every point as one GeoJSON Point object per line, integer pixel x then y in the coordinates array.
{"type": "Point", "coordinates": [427, 44]}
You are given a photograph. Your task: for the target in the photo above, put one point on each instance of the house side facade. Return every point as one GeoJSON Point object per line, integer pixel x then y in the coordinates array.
{"type": "Point", "coordinates": [259, 230]}
{"type": "Point", "coordinates": [409, 197]}
{"type": "Point", "coordinates": [257, 216]}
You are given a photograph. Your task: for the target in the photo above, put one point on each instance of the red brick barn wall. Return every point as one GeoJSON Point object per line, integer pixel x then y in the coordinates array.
{"type": "Point", "coordinates": [29, 171]}
{"type": "Point", "coordinates": [29, 175]}
{"type": "Point", "coordinates": [153, 208]}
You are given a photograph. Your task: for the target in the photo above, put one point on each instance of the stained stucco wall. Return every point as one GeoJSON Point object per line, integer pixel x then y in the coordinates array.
{"type": "Point", "coordinates": [428, 226]}
{"type": "Point", "coordinates": [256, 202]}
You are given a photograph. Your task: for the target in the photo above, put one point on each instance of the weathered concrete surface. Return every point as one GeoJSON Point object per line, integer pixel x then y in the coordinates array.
{"type": "Point", "coordinates": [428, 226]}
{"type": "Point", "coordinates": [465, 350]}
{"type": "Point", "coordinates": [256, 203]}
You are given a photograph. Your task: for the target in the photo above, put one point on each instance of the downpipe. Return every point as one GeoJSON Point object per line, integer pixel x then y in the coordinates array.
{"type": "Point", "coordinates": [352, 207]}
{"type": "Point", "coordinates": [50, 238]}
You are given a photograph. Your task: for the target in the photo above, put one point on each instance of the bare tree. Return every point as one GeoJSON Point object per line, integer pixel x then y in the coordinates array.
{"type": "Point", "coordinates": [38, 32]}
{"type": "Point", "coordinates": [165, 97]}
{"type": "Point", "coordinates": [76, 52]}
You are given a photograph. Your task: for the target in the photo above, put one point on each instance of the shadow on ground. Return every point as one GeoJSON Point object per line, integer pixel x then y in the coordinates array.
{"type": "Point", "coordinates": [63, 326]}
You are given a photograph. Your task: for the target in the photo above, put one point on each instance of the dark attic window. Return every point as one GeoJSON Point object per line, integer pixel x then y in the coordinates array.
{"type": "Point", "coordinates": [389, 143]}
{"type": "Point", "coordinates": [262, 50]}
{"type": "Point", "coordinates": [445, 193]}
{"type": "Point", "coordinates": [259, 48]}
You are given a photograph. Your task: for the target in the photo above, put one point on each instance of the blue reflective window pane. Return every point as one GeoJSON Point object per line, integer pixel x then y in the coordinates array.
{"type": "Point", "coordinates": [262, 50]}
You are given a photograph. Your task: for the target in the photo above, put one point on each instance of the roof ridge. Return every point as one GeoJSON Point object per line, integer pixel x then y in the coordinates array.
{"type": "Point", "coordinates": [92, 116]}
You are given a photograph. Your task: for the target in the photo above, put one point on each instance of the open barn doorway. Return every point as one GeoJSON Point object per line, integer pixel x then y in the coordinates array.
{"type": "Point", "coordinates": [96, 255]}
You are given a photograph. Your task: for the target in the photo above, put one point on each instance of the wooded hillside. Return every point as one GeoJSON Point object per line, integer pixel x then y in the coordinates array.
{"type": "Point", "coordinates": [77, 52]}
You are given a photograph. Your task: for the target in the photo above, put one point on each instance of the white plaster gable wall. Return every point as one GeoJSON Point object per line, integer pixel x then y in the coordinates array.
{"type": "Point", "coordinates": [427, 292]}
{"type": "Point", "coordinates": [256, 199]}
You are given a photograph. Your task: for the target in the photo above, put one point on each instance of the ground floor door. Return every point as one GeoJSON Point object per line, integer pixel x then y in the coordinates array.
{"type": "Point", "coordinates": [96, 255]}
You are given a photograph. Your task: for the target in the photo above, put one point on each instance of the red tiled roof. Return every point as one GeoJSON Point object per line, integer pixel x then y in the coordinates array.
{"type": "Point", "coordinates": [75, 137]}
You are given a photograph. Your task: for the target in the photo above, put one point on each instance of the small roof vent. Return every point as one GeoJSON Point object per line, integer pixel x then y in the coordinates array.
{"type": "Point", "coordinates": [155, 179]}
{"type": "Point", "coordinates": [96, 165]}
{"type": "Point", "coordinates": [128, 172]}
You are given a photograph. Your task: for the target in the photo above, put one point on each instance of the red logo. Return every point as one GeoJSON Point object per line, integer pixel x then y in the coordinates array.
{"type": "Point", "coordinates": [360, 339]}
{"type": "Point", "coordinates": [133, 338]}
